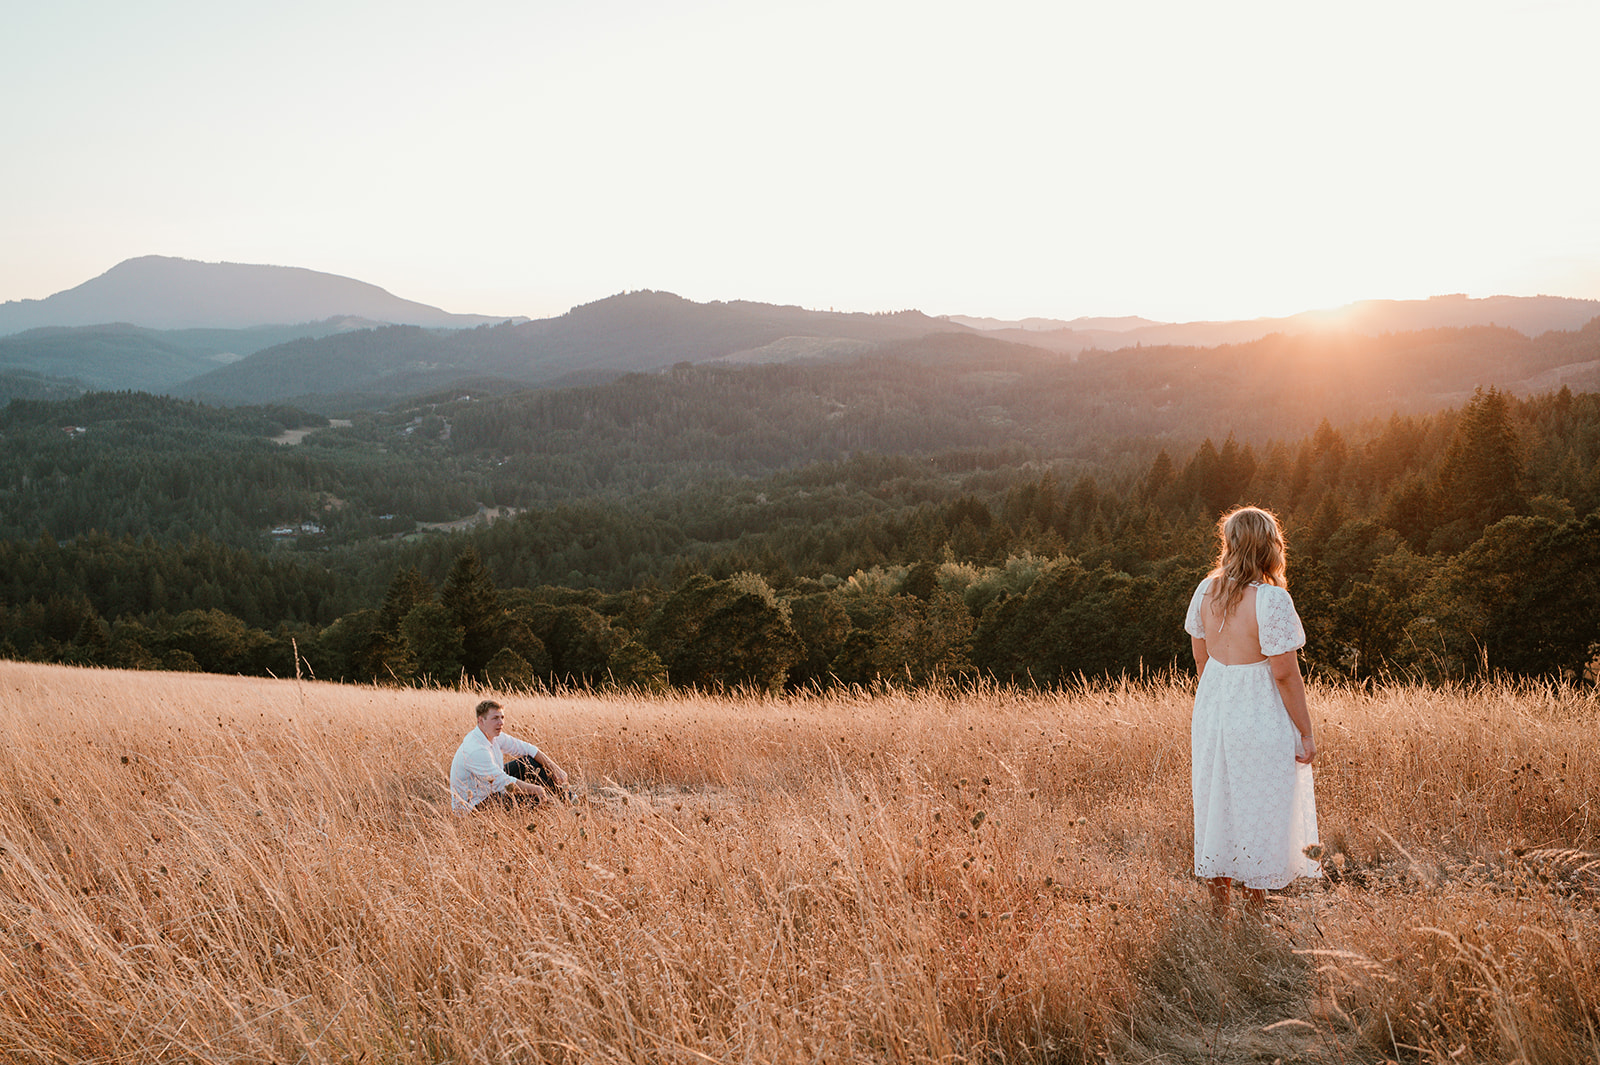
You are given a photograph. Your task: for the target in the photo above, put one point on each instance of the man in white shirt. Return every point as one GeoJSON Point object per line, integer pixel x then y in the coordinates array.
{"type": "Point", "coordinates": [480, 775]}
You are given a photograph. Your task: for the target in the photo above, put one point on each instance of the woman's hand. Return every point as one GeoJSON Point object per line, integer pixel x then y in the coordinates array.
{"type": "Point", "coordinates": [1308, 750]}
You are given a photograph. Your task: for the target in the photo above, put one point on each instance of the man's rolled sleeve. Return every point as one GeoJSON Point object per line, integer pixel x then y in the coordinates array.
{"type": "Point", "coordinates": [515, 748]}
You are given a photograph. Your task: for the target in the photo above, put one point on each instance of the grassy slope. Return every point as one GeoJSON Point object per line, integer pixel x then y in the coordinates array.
{"type": "Point", "coordinates": [228, 869]}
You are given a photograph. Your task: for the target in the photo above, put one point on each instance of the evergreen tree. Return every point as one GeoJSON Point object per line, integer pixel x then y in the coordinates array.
{"type": "Point", "coordinates": [472, 602]}
{"type": "Point", "coordinates": [407, 589]}
{"type": "Point", "coordinates": [434, 643]}
{"type": "Point", "coordinates": [1481, 479]}
{"type": "Point", "coordinates": [1408, 508]}
{"type": "Point", "coordinates": [1158, 479]}
{"type": "Point", "coordinates": [386, 654]}
{"type": "Point", "coordinates": [1205, 481]}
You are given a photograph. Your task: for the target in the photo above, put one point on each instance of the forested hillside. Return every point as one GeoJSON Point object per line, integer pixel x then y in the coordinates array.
{"type": "Point", "coordinates": [1280, 380]}
{"type": "Point", "coordinates": [879, 518]}
{"type": "Point", "coordinates": [141, 465]}
{"type": "Point", "coordinates": [636, 331]}
{"type": "Point", "coordinates": [122, 356]}
{"type": "Point", "coordinates": [237, 333]}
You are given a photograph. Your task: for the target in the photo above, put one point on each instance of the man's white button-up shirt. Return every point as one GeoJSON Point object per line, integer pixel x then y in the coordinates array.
{"type": "Point", "coordinates": [478, 769]}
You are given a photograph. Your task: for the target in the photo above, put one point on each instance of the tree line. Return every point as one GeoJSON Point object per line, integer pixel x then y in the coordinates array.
{"type": "Point", "coordinates": [1441, 545]}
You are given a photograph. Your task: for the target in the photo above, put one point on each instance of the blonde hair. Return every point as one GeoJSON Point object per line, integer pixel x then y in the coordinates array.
{"type": "Point", "coordinates": [1252, 550]}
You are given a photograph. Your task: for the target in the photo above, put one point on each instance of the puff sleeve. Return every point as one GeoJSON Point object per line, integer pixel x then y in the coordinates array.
{"type": "Point", "coordinates": [1277, 621]}
{"type": "Point", "coordinates": [1194, 624]}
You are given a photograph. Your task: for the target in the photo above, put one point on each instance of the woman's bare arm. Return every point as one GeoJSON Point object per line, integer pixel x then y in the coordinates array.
{"type": "Point", "coordinates": [1286, 674]}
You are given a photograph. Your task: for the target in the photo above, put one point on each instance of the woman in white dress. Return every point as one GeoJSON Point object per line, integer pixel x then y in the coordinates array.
{"type": "Point", "coordinates": [1255, 812]}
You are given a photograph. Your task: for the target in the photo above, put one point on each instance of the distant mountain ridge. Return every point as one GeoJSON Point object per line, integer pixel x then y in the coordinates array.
{"type": "Point", "coordinates": [1043, 325]}
{"type": "Point", "coordinates": [331, 343]}
{"type": "Point", "coordinates": [158, 292]}
{"type": "Point", "coordinates": [1528, 315]}
{"type": "Point", "coordinates": [633, 332]}
{"type": "Point", "coordinates": [119, 356]}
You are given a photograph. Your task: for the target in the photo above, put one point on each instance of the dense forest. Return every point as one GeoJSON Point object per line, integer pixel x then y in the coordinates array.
{"type": "Point", "coordinates": [843, 523]}
{"type": "Point", "coordinates": [126, 463]}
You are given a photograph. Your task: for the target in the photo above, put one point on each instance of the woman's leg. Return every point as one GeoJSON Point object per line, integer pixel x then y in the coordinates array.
{"type": "Point", "coordinates": [1220, 886]}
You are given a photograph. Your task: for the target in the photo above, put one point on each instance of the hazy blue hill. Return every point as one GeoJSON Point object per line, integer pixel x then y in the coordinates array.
{"type": "Point", "coordinates": [121, 356]}
{"type": "Point", "coordinates": [632, 332]}
{"type": "Point", "coordinates": [649, 330]}
{"type": "Point", "coordinates": [165, 293]}
{"type": "Point", "coordinates": [972, 353]}
{"type": "Point", "coordinates": [1351, 374]}
{"type": "Point", "coordinates": [395, 360]}
{"type": "Point", "coordinates": [25, 384]}
{"type": "Point", "coordinates": [107, 357]}
{"type": "Point", "coordinates": [241, 342]}
{"type": "Point", "coordinates": [377, 349]}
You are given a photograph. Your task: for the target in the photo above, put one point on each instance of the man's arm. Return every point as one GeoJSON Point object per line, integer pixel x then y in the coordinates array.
{"type": "Point", "coordinates": [527, 787]}
{"type": "Point", "coordinates": [557, 774]}
{"type": "Point", "coordinates": [522, 747]}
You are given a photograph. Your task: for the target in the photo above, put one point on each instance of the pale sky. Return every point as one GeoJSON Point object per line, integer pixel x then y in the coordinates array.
{"type": "Point", "coordinates": [1172, 159]}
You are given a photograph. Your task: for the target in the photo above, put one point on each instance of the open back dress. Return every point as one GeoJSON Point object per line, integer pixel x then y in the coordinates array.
{"type": "Point", "coordinates": [1255, 810]}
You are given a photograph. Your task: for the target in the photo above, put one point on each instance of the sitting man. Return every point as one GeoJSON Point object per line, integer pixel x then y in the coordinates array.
{"type": "Point", "coordinates": [478, 779]}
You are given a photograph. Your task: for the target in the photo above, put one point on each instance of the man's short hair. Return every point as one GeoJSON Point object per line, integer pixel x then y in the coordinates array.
{"type": "Point", "coordinates": [487, 705]}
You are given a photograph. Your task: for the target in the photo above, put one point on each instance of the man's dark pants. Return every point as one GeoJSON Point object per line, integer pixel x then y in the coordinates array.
{"type": "Point", "coordinates": [531, 772]}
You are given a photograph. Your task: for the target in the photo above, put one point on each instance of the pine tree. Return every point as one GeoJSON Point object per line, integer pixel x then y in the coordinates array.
{"type": "Point", "coordinates": [1481, 479]}
{"type": "Point", "coordinates": [472, 601]}
{"type": "Point", "coordinates": [406, 590]}
{"type": "Point", "coordinates": [434, 643]}
{"type": "Point", "coordinates": [1159, 477]}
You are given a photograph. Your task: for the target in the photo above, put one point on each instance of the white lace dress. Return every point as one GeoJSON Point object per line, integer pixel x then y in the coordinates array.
{"type": "Point", "coordinates": [1255, 811]}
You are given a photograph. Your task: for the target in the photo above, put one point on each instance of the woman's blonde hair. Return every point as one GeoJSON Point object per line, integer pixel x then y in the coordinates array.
{"type": "Point", "coordinates": [1252, 550]}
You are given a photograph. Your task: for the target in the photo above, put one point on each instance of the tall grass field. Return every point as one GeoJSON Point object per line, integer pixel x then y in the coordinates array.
{"type": "Point", "coordinates": [212, 869]}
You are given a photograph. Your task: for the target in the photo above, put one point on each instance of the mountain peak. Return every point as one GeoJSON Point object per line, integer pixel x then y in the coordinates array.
{"type": "Point", "coordinates": [164, 292]}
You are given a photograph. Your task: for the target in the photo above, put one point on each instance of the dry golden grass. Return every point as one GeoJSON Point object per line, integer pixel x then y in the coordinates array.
{"type": "Point", "coordinates": [216, 869]}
